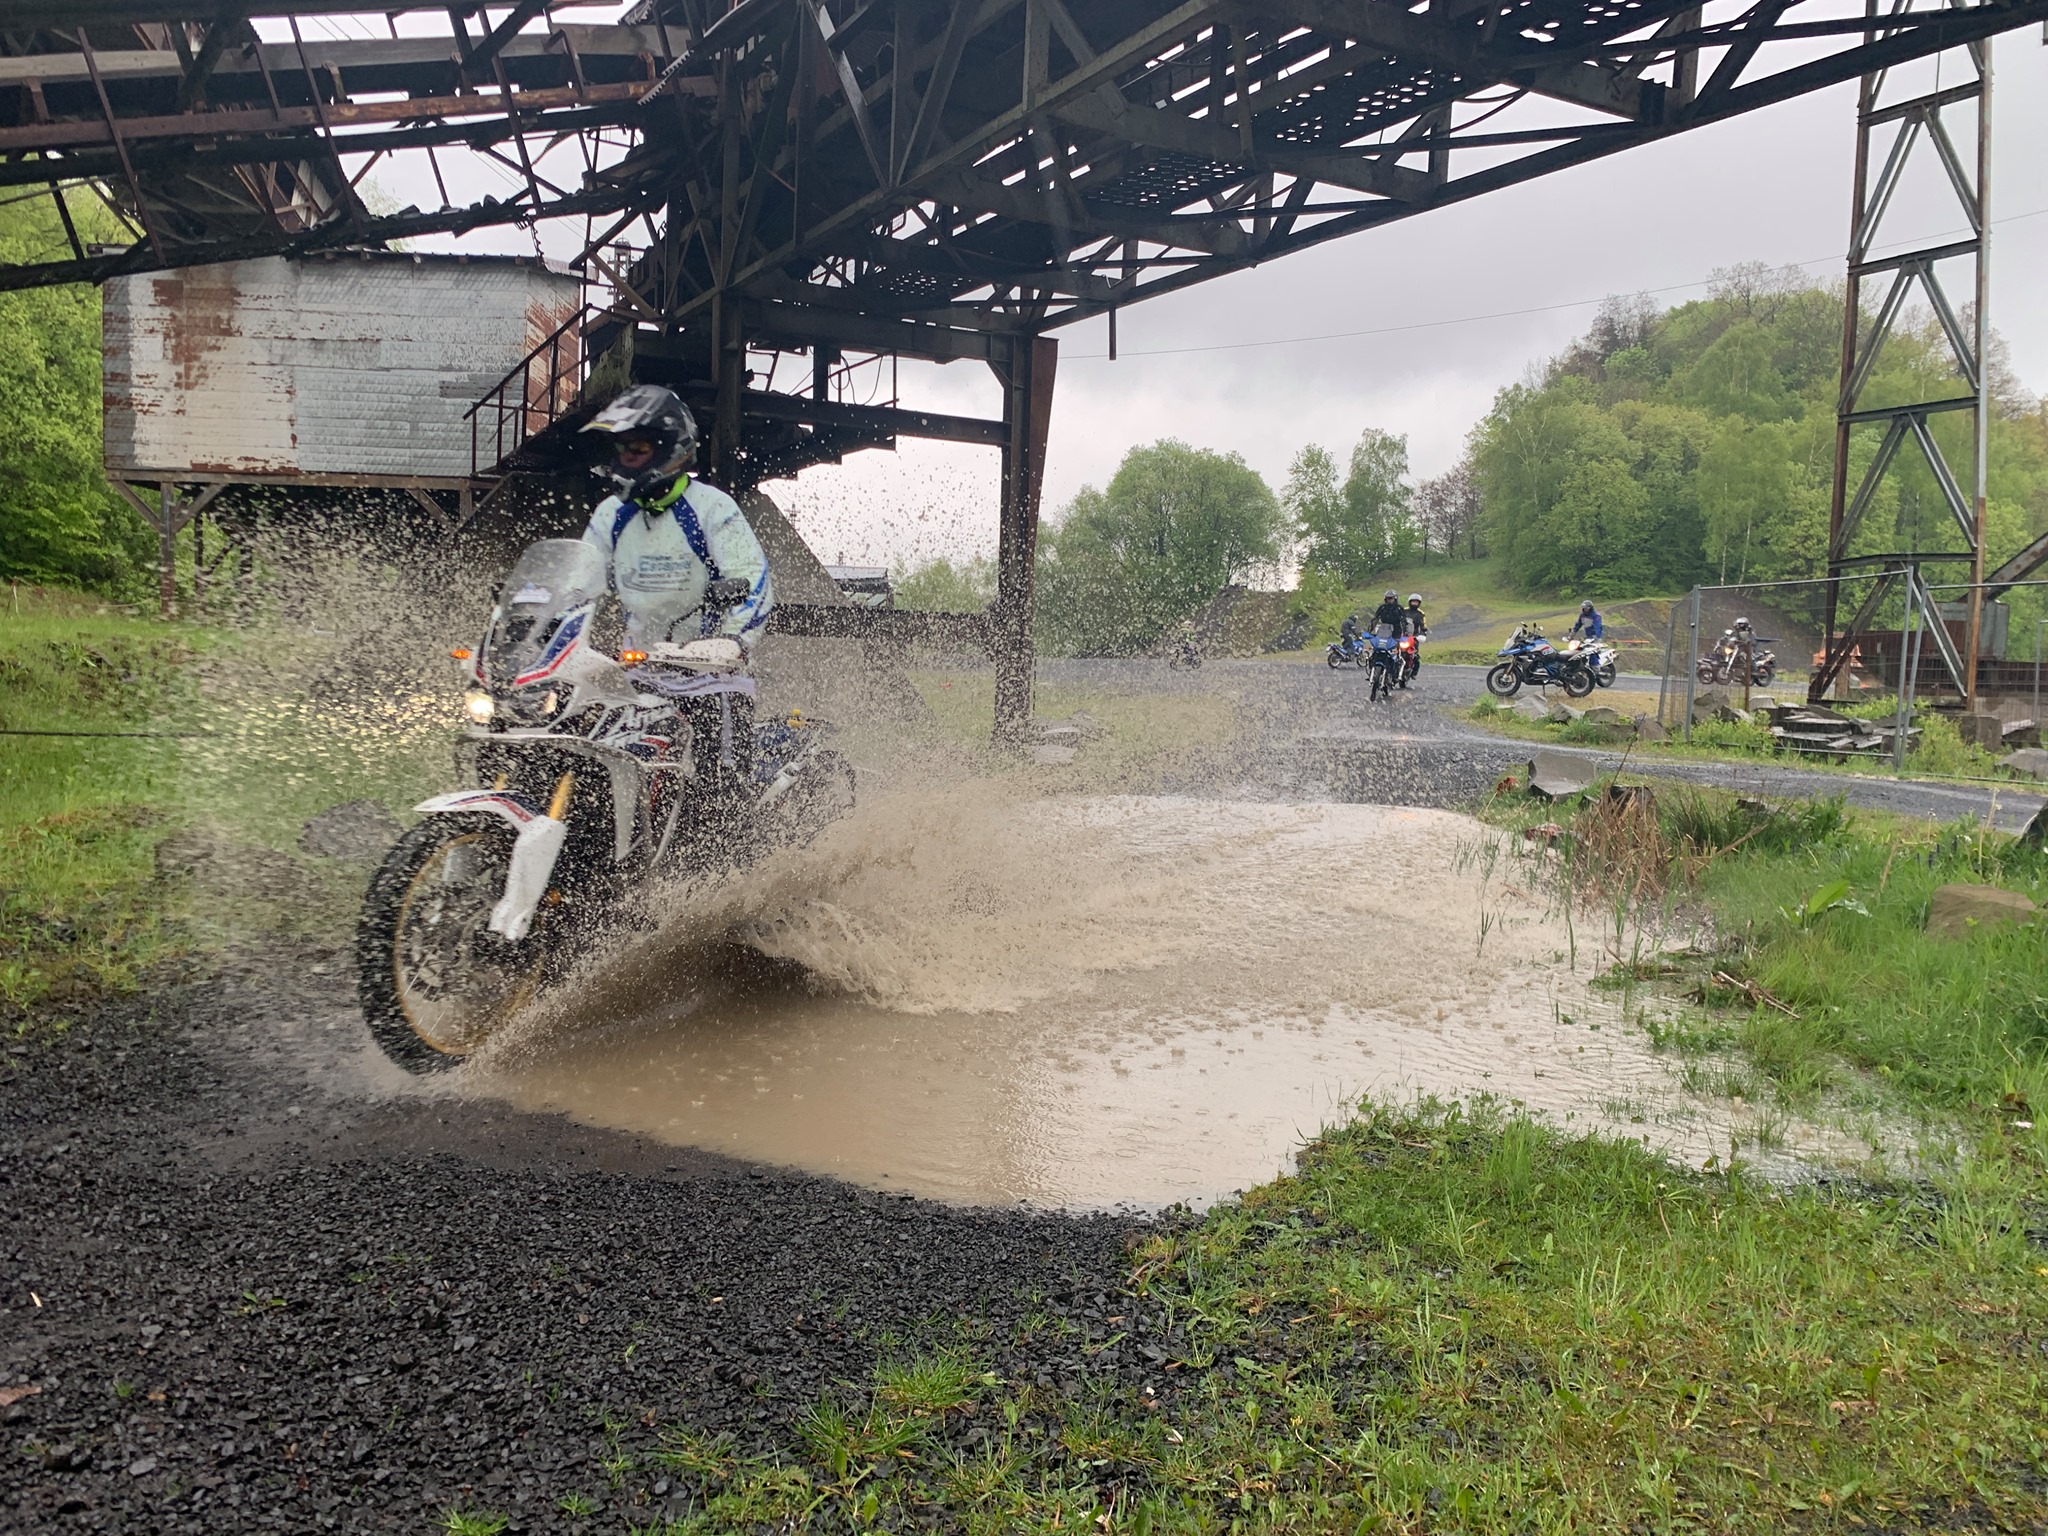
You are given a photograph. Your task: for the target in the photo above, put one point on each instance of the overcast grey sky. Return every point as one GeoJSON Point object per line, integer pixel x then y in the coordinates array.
{"type": "Point", "coordinates": [1461, 300]}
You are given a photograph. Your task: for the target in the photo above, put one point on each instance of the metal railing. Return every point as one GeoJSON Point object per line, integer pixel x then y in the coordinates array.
{"type": "Point", "coordinates": [538, 392]}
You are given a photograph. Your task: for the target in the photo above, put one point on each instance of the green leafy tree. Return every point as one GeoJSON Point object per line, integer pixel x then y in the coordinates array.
{"type": "Point", "coordinates": [1313, 496]}
{"type": "Point", "coordinates": [60, 522]}
{"type": "Point", "coordinates": [1738, 376]}
{"type": "Point", "coordinates": [940, 586]}
{"type": "Point", "coordinates": [1175, 525]}
{"type": "Point", "coordinates": [1372, 526]}
{"type": "Point", "coordinates": [1722, 414]}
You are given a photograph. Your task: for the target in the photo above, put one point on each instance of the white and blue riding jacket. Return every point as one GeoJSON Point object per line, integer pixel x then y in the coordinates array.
{"type": "Point", "coordinates": [666, 552]}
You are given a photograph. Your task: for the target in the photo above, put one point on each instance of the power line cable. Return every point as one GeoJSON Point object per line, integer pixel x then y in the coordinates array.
{"type": "Point", "coordinates": [1501, 314]}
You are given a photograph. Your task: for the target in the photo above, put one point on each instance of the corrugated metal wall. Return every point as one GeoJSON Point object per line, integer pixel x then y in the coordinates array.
{"type": "Point", "coordinates": [355, 366]}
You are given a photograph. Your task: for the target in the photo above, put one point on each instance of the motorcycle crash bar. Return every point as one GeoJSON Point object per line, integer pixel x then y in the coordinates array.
{"type": "Point", "coordinates": [534, 852]}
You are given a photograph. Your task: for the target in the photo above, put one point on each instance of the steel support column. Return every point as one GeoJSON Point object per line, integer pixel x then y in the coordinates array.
{"type": "Point", "coordinates": [173, 511]}
{"type": "Point", "coordinates": [1027, 411]}
{"type": "Point", "coordinates": [1890, 134]}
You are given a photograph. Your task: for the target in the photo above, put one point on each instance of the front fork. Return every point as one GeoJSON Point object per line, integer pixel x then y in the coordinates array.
{"type": "Point", "coordinates": [534, 853]}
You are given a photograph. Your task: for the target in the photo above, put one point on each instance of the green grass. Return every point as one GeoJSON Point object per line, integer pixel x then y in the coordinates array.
{"type": "Point", "coordinates": [1454, 1320]}
{"type": "Point", "coordinates": [1939, 752]}
{"type": "Point", "coordinates": [82, 912]}
{"type": "Point", "coordinates": [80, 816]}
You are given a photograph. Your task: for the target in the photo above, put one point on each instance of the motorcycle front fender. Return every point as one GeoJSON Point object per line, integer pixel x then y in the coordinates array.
{"type": "Point", "coordinates": [534, 853]}
{"type": "Point", "coordinates": [508, 805]}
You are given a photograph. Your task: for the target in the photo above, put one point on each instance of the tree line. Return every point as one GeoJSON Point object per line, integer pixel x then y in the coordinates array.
{"type": "Point", "coordinates": [1662, 449]}
{"type": "Point", "coordinates": [60, 522]}
{"type": "Point", "coordinates": [1696, 445]}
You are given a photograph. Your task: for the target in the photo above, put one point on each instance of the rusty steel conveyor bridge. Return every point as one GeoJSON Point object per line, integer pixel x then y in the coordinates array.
{"type": "Point", "coordinates": [840, 181]}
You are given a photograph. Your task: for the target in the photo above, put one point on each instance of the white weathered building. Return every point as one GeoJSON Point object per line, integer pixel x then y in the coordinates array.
{"type": "Point", "coordinates": [351, 369]}
{"type": "Point", "coordinates": [345, 370]}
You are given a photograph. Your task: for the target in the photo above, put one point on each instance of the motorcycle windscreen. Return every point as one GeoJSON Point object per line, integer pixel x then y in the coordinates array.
{"type": "Point", "coordinates": [552, 580]}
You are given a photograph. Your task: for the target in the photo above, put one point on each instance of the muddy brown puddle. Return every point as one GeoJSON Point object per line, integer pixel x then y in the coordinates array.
{"type": "Point", "coordinates": [1115, 1001]}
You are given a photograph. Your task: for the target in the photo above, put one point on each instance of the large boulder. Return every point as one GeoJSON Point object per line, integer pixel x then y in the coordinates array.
{"type": "Point", "coordinates": [1530, 707]}
{"type": "Point", "coordinates": [1956, 909]}
{"type": "Point", "coordinates": [2028, 760]}
{"type": "Point", "coordinates": [1981, 730]}
{"type": "Point", "coordinates": [1602, 714]}
{"type": "Point", "coordinates": [1650, 728]}
{"type": "Point", "coordinates": [353, 831]}
{"type": "Point", "coordinates": [1560, 775]}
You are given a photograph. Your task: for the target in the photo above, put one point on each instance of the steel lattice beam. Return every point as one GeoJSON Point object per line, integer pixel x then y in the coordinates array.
{"type": "Point", "coordinates": [1891, 131]}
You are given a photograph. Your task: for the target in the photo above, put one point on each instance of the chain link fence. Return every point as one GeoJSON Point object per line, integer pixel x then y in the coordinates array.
{"type": "Point", "coordinates": [1741, 659]}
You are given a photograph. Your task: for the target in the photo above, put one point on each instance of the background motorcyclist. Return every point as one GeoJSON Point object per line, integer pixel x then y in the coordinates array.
{"type": "Point", "coordinates": [1390, 613]}
{"type": "Point", "coordinates": [1347, 632]}
{"type": "Point", "coordinates": [1417, 626]}
{"type": "Point", "coordinates": [1587, 625]}
{"type": "Point", "coordinates": [669, 537]}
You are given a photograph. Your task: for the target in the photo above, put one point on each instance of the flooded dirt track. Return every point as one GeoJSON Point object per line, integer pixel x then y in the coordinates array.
{"type": "Point", "coordinates": [1132, 1001]}
{"type": "Point", "coordinates": [257, 1278]}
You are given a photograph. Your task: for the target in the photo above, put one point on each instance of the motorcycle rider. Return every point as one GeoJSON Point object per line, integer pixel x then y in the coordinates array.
{"type": "Point", "coordinates": [1587, 625]}
{"type": "Point", "coordinates": [669, 538]}
{"type": "Point", "coordinates": [1390, 613]}
{"type": "Point", "coordinates": [1347, 632]}
{"type": "Point", "coordinates": [1418, 627]}
{"type": "Point", "coordinates": [1737, 643]}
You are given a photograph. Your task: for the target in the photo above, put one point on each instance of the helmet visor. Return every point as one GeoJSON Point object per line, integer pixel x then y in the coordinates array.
{"type": "Point", "coordinates": [634, 451]}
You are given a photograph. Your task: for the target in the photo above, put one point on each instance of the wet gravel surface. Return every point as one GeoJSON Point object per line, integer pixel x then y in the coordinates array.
{"type": "Point", "coordinates": [1320, 737]}
{"type": "Point", "coordinates": [223, 1313]}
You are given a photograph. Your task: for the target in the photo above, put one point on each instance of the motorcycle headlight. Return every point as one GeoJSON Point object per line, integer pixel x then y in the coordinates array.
{"type": "Point", "coordinates": [479, 706]}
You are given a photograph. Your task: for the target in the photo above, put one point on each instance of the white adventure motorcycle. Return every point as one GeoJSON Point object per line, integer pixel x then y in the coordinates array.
{"type": "Point", "coordinates": [588, 780]}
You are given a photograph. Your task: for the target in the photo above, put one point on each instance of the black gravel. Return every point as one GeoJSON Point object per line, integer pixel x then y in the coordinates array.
{"type": "Point", "coordinates": [236, 1316]}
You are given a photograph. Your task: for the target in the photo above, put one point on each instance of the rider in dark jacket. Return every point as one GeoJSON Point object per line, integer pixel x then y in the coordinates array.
{"type": "Point", "coordinates": [1347, 632]}
{"type": "Point", "coordinates": [1390, 613]}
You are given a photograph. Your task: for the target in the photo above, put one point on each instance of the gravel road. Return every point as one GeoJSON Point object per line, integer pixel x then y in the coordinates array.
{"type": "Point", "coordinates": [237, 1313]}
{"type": "Point", "coordinates": [1321, 737]}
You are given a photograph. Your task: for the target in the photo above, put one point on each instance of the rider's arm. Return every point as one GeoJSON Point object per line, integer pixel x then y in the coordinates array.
{"type": "Point", "coordinates": [604, 520]}
{"type": "Point", "coordinates": [736, 553]}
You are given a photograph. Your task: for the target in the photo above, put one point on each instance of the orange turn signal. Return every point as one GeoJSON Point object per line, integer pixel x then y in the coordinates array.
{"type": "Point", "coordinates": [461, 653]}
{"type": "Point", "coordinates": [632, 658]}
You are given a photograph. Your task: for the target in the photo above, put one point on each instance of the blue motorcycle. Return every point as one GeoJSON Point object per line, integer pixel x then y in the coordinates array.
{"type": "Point", "coordinates": [1529, 658]}
{"type": "Point", "coordinates": [1348, 653]}
{"type": "Point", "coordinates": [1387, 664]}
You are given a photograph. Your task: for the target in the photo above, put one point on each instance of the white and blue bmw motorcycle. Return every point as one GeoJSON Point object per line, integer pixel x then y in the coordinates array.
{"type": "Point", "coordinates": [591, 774]}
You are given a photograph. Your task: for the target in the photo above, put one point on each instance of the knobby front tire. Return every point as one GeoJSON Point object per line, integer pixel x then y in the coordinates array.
{"type": "Point", "coordinates": [434, 983]}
